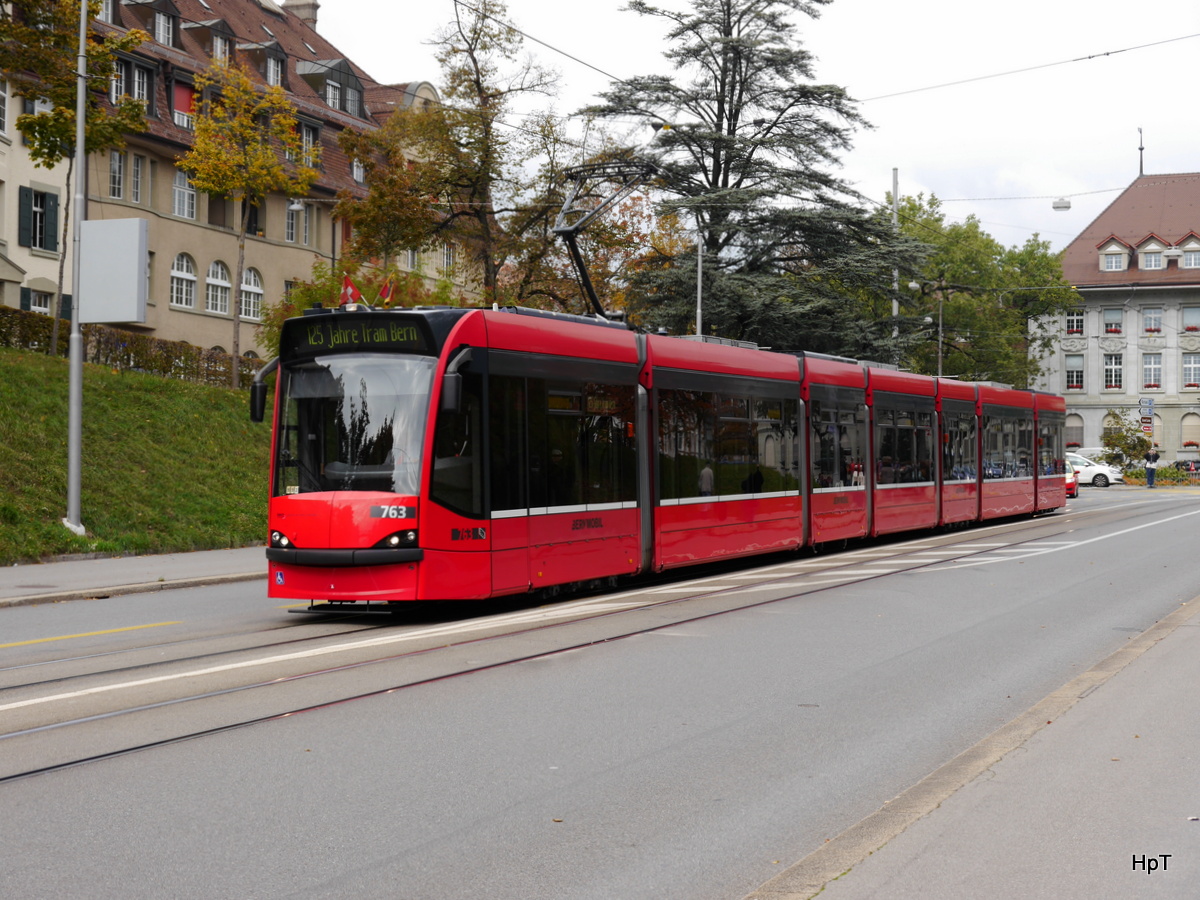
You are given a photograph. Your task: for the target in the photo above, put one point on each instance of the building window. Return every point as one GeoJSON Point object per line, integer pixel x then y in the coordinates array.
{"type": "Point", "coordinates": [116, 83]}
{"type": "Point", "coordinates": [164, 29]}
{"type": "Point", "coordinates": [354, 101]}
{"type": "Point", "coordinates": [358, 171]}
{"type": "Point", "coordinates": [333, 94]}
{"type": "Point", "coordinates": [106, 11]}
{"type": "Point", "coordinates": [289, 225]}
{"type": "Point", "coordinates": [183, 282]}
{"type": "Point", "coordinates": [414, 260]}
{"type": "Point", "coordinates": [1191, 259]}
{"type": "Point", "coordinates": [1113, 372]}
{"type": "Point", "coordinates": [1152, 370]}
{"type": "Point", "coordinates": [252, 294]}
{"type": "Point", "coordinates": [37, 219]}
{"type": "Point", "coordinates": [1189, 431]}
{"type": "Point", "coordinates": [138, 173]}
{"type": "Point", "coordinates": [183, 196]}
{"type": "Point", "coordinates": [220, 47]}
{"type": "Point", "coordinates": [39, 302]}
{"type": "Point", "coordinates": [1191, 370]}
{"type": "Point", "coordinates": [1112, 321]}
{"type": "Point", "coordinates": [217, 288]}
{"type": "Point", "coordinates": [1075, 322]}
{"type": "Point", "coordinates": [1152, 320]}
{"type": "Point", "coordinates": [1074, 369]}
{"type": "Point", "coordinates": [274, 70]}
{"type": "Point", "coordinates": [1152, 260]}
{"type": "Point", "coordinates": [142, 86]}
{"type": "Point", "coordinates": [448, 257]}
{"type": "Point", "coordinates": [3, 107]}
{"type": "Point", "coordinates": [1114, 262]}
{"type": "Point", "coordinates": [185, 105]}
{"type": "Point", "coordinates": [116, 175]}
{"type": "Point", "coordinates": [309, 138]}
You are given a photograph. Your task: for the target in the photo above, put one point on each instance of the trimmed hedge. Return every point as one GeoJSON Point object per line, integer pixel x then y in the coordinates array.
{"type": "Point", "coordinates": [124, 350]}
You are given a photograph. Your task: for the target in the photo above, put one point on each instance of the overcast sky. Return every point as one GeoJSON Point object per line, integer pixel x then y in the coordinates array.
{"type": "Point", "coordinates": [1085, 76]}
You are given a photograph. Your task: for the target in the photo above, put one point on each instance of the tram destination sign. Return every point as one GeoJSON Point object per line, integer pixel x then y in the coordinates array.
{"type": "Point", "coordinates": [349, 333]}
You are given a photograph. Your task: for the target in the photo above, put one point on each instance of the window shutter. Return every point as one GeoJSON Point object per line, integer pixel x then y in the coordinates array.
{"type": "Point", "coordinates": [51, 222]}
{"type": "Point", "coordinates": [26, 296]}
{"type": "Point", "coordinates": [67, 307]}
{"type": "Point", "coordinates": [25, 216]}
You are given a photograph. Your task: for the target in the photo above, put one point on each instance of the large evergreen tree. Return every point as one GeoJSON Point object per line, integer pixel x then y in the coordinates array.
{"type": "Point", "coordinates": [792, 257]}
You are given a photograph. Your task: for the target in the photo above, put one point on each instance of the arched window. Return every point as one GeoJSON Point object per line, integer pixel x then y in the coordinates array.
{"type": "Point", "coordinates": [183, 282]}
{"type": "Point", "coordinates": [252, 294]}
{"type": "Point", "coordinates": [1189, 431]}
{"type": "Point", "coordinates": [1073, 432]}
{"type": "Point", "coordinates": [217, 288]}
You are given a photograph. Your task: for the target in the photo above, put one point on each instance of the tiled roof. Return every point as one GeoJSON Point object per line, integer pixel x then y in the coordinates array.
{"type": "Point", "coordinates": [1162, 207]}
{"type": "Point", "coordinates": [255, 23]}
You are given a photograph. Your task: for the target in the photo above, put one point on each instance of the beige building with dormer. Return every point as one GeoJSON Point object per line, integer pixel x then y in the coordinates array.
{"type": "Point", "coordinates": [1137, 335]}
{"type": "Point", "coordinates": [192, 237]}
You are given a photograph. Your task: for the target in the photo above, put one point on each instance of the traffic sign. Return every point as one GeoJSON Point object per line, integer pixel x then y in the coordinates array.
{"type": "Point", "coordinates": [1146, 405]}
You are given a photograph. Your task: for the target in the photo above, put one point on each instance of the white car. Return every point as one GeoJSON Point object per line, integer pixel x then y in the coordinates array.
{"type": "Point", "coordinates": [1092, 472]}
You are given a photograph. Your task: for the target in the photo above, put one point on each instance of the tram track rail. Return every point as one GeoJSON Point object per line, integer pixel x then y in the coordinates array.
{"type": "Point", "coordinates": [508, 639]}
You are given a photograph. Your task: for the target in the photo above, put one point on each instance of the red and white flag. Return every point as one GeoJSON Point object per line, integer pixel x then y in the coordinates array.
{"type": "Point", "coordinates": [385, 294]}
{"type": "Point", "coordinates": [350, 294]}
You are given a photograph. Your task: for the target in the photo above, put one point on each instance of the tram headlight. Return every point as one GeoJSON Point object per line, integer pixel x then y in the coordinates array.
{"type": "Point", "coordinates": [398, 539]}
{"type": "Point", "coordinates": [280, 540]}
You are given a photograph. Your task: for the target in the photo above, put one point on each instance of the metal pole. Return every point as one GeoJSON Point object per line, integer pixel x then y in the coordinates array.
{"type": "Point", "coordinates": [895, 271]}
{"type": "Point", "coordinates": [75, 345]}
{"type": "Point", "coordinates": [699, 273]}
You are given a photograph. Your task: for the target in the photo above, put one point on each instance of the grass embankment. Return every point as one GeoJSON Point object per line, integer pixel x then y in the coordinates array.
{"type": "Point", "coordinates": [167, 465]}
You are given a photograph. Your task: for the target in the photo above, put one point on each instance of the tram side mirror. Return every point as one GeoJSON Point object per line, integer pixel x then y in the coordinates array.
{"type": "Point", "coordinates": [258, 400]}
{"type": "Point", "coordinates": [451, 392]}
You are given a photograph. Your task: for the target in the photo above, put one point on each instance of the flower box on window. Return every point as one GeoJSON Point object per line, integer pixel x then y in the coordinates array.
{"type": "Point", "coordinates": [1071, 444]}
{"type": "Point", "coordinates": [1192, 384]}
{"type": "Point", "coordinates": [1074, 331]}
{"type": "Point", "coordinates": [1191, 327]}
{"type": "Point", "coordinates": [1153, 330]}
{"type": "Point", "coordinates": [1191, 444]}
{"type": "Point", "coordinates": [1112, 387]}
{"type": "Point", "coordinates": [1150, 384]}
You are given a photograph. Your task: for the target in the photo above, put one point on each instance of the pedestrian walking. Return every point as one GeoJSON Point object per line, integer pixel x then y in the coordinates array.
{"type": "Point", "coordinates": [1151, 458]}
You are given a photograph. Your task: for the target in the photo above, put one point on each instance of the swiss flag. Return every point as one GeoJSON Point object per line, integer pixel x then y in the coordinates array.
{"type": "Point", "coordinates": [350, 294]}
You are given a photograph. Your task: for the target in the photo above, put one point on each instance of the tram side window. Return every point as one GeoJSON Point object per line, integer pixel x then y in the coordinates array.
{"type": "Point", "coordinates": [507, 422]}
{"type": "Point", "coordinates": [839, 440]}
{"type": "Point", "coordinates": [457, 480]}
{"type": "Point", "coordinates": [1050, 444]}
{"type": "Point", "coordinates": [686, 458]}
{"type": "Point", "coordinates": [607, 453]}
{"type": "Point", "coordinates": [904, 446]}
{"type": "Point", "coordinates": [737, 467]}
{"type": "Point", "coordinates": [1006, 446]}
{"type": "Point", "coordinates": [959, 461]}
{"type": "Point", "coordinates": [775, 437]}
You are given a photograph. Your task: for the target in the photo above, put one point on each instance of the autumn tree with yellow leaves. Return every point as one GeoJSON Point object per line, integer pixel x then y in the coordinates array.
{"type": "Point", "coordinates": [246, 147]}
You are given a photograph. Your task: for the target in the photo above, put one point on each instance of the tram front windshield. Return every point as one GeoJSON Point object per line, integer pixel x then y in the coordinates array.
{"type": "Point", "coordinates": [352, 423]}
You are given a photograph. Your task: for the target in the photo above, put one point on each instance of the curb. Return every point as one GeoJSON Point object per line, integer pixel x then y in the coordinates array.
{"type": "Point", "coordinates": [145, 587]}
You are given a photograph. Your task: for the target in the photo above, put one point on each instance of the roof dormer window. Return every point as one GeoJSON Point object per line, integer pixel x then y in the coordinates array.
{"type": "Point", "coordinates": [164, 28]}
{"type": "Point", "coordinates": [274, 70]}
{"type": "Point", "coordinates": [1152, 259]}
{"type": "Point", "coordinates": [1114, 262]}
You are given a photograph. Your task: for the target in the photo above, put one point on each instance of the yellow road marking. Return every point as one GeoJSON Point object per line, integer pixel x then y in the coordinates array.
{"type": "Point", "coordinates": [67, 637]}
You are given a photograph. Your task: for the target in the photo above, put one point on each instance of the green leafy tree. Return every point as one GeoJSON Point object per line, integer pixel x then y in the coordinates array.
{"type": "Point", "coordinates": [986, 302]}
{"type": "Point", "coordinates": [791, 255]}
{"type": "Point", "coordinates": [1123, 438]}
{"type": "Point", "coordinates": [39, 51]}
{"type": "Point", "coordinates": [246, 147]}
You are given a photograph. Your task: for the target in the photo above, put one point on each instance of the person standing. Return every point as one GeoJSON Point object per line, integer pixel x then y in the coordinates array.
{"type": "Point", "coordinates": [1151, 458]}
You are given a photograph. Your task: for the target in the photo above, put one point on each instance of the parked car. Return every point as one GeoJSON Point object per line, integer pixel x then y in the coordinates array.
{"type": "Point", "coordinates": [1187, 465]}
{"type": "Point", "coordinates": [1072, 482]}
{"type": "Point", "coordinates": [1088, 471]}
{"type": "Point", "coordinates": [1099, 453]}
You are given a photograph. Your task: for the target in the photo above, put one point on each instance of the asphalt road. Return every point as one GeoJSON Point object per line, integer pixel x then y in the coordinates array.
{"type": "Point", "coordinates": [691, 748]}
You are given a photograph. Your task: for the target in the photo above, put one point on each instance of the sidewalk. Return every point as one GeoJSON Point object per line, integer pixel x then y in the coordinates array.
{"type": "Point", "coordinates": [1091, 794]}
{"type": "Point", "coordinates": [77, 579]}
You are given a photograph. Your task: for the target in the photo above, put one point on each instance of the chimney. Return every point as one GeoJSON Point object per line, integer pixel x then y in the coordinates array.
{"type": "Point", "coordinates": [304, 10]}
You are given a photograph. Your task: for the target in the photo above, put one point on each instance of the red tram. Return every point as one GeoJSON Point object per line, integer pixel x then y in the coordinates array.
{"type": "Point", "coordinates": [463, 454]}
